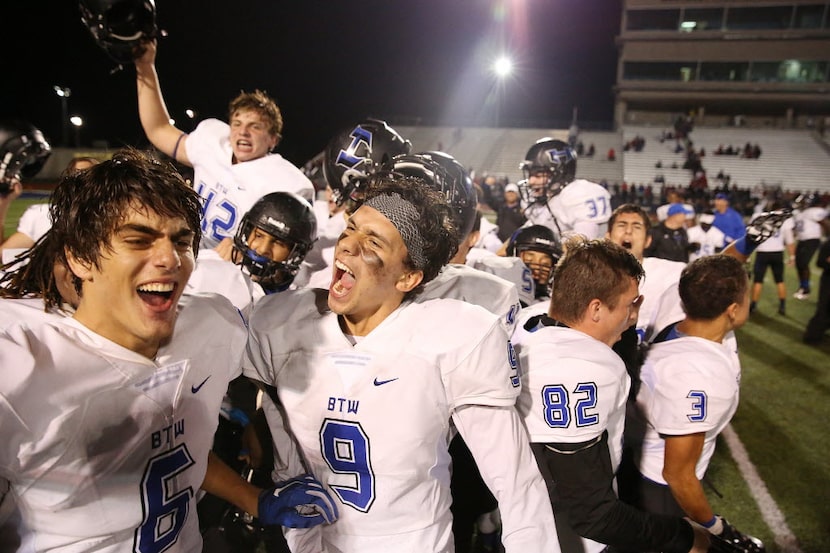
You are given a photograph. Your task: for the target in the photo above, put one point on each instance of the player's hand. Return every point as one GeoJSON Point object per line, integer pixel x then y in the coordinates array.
{"type": "Point", "coordinates": [766, 225]}
{"type": "Point", "coordinates": [731, 540]}
{"type": "Point", "coordinates": [300, 502]}
{"type": "Point", "coordinates": [10, 191]}
{"type": "Point", "coordinates": [145, 52]}
{"type": "Point", "coordinates": [225, 249]}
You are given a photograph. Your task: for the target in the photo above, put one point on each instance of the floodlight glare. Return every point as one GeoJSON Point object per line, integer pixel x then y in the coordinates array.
{"type": "Point", "coordinates": [76, 120]}
{"type": "Point", "coordinates": [503, 66]}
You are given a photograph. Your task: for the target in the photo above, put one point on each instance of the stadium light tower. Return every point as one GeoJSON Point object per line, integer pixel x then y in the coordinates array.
{"type": "Point", "coordinates": [64, 93]}
{"type": "Point", "coordinates": [503, 67]}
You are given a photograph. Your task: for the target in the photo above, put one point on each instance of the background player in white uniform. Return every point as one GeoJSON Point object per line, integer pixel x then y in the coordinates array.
{"type": "Point", "coordinates": [113, 458]}
{"type": "Point", "coordinates": [689, 392]}
{"type": "Point", "coordinates": [269, 247]}
{"type": "Point", "coordinates": [369, 382]}
{"type": "Point", "coordinates": [808, 215]}
{"type": "Point", "coordinates": [708, 238]}
{"type": "Point", "coordinates": [233, 164]}
{"type": "Point", "coordinates": [574, 392]}
{"type": "Point", "coordinates": [555, 199]}
{"type": "Point", "coordinates": [770, 254]}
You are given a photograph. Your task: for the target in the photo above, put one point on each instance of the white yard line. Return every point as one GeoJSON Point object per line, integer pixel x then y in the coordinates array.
{"type": "Point", "coordinates": [770, 512]}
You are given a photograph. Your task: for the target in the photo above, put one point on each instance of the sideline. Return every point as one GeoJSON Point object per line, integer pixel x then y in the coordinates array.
{"type": "Point", "coordinates": [770, 512]}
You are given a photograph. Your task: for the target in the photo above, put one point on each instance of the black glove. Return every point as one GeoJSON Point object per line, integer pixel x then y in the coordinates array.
{"type": "Point", "coordinates": [731, 540]}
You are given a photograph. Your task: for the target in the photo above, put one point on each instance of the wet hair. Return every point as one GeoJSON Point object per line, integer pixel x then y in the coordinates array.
{"type": "Point", "coordinates": [630, 208]}
{"type": "Point", "coordinates": [591, 269]}
{"type": "Point", "coordinates": [87, 207]}
{"type": "Point", "coordinates": [435, 225]}
{"type": "Point", "coordinates": [261, 103]}
{"type": "Point", "coordinates": [710, 284]}
{"type": "Point", "coordinates": [31, 274]}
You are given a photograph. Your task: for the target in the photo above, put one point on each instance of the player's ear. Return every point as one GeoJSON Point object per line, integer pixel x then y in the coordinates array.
{"type": "Point", "coordinates": [79, 268]}
{"type": "Point", "coordinates": [409, 280]}
{"type": "Point", "coordinates": [594, 309]}
{"type": "Point", "coordinates": [732, 311]}
{"type": "Point", "coordinates": [648, 239]}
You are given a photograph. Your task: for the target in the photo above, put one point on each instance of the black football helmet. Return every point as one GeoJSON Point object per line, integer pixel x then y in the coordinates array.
{"type": "Point", "coordinates": [443, 173]}
{"type": "Point", "coordinates": [354, 154]}
{"type": "Point", "coordinates": [119, 26]}
{"type": "Point", "coordinates": [23, 152]}
{"type": "Point", "coordinates": [287, 217]}
{"type": "Point", "coordinates": [538, 238]}
{"type": "Point", "coordinates": [553, 157]}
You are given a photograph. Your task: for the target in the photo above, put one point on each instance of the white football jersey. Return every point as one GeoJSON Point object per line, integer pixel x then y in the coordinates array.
{"type": "Point", "coordinates": [215, 275]}
{"type": "Point", "coordinates": [35, 221]}
{"type": "Point", "coordinates": [373, 419]}
{"type": "Point", "coordinates": [462, 282]}
{"type": "Point", "coordinates": [582, 207]}
{"type": "Point", "coordinates": [807, 222]}
{"type": "Point", "coordinates": [710, 241]}
{"type": "Point", "coordinates": [513, 270]}
{"type": "Point", "coordinates": [658, 304]}
{"type": "Point", "coordinates": [689, 385]}
{"type": "Point", "coordinates": [230, 189]}
{"type": "Point", "coordinates": [574, 388]}
{"type": "Point", "coordinates": [104, 448]}
{"type": "Point", "coordinates": [783, 237]}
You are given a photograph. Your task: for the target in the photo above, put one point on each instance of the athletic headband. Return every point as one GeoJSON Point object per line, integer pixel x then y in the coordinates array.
{"type": "Point", "coordinates": [403, 215]}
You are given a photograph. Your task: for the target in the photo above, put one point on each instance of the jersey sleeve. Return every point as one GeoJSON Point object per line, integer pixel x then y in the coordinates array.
{"type": "Point", "coordinates": [486, 374]}
{"type": "Point", "coordinates": [204, 141]}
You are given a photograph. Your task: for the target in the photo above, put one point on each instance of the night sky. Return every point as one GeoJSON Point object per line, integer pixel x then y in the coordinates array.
{"type": "Point", "coordinates": [327, 63]}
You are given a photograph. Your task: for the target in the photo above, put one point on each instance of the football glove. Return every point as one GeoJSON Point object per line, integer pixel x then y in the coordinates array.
{"type": "Point", "coordinates": [731, 540]}
{"type": "Point", "coordinates": [300, 502]}
{"type": "Point", "coordinates": [766, 225]}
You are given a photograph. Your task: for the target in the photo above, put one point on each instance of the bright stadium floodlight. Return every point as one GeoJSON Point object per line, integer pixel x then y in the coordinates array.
{"type": "Point", "coordinates": [502, 67]}
{"type": "Point", "coordinates": [78, 122]}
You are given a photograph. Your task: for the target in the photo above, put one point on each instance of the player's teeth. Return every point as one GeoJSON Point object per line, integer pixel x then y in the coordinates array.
{"type": "Point", "coordinates": [156, 287]}
{"type": "Point", "coordinates": [342, 267]}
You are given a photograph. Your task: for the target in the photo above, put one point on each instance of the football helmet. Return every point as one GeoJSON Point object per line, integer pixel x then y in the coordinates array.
{"type": "Point", "coordinates": [23, 152]}
{"type": "Point", "coordinates": [537, 238]}
{"type": "Point", "coordinates": [556, 159]}
{"type": "Point", "coordinates": [290, 219]}
{"type": "Point", "coordinates": [119, 26]}
{"type": "Point", "coordinates": [354, 154]}
{"type": "Point", "coordinates": [443, 173]}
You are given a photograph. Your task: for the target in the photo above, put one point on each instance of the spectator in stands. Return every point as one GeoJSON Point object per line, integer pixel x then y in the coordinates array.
{"type": "Point", "coordinates": [591, 150]}
{"type": "Point", "coordinates": [612, 154]}
{"type": "Point", "coordinates": [727, 219]}
{"type": "Point", "coordinates": [510, 215]}
{"type": "Point", "coordinates": [668, 238]}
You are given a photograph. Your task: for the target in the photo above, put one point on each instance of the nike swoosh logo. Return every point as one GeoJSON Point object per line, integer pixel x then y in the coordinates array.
{"type": "Point", "coordinates": [195, 389]}
{"type": "Point", "coordinates": [382, 382]}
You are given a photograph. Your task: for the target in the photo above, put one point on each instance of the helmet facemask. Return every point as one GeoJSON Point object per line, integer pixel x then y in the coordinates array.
{"type": "Point", "coordinates": [273, 276]}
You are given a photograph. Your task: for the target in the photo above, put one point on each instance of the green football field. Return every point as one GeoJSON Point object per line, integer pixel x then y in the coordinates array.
{"type": "Point", "coordinates": [777, 484]}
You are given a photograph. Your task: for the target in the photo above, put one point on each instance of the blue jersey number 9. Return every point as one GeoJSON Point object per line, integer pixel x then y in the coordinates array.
{"type": "Point", "coordinates": [345, 448]}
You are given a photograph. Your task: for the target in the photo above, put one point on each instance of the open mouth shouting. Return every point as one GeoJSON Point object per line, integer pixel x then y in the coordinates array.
{"type": "Point", "coordinates": [626, 244]}
{"type": "Point", "coordinates": [158, 296]}
{"type": "Point", "coordinates": [343, 279]}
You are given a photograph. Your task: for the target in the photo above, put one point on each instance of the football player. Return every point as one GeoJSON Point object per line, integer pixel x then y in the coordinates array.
{"type": "Point", "coordinates": [131, 377]}
{"type": "Point", "coordinates": [539, 249]}
{"type": "Point", "coordinates": [808, 215]}
{"type": "Point", "coordinates": [269, 247]}
{"type": "Point", "coordinates": [233, 163]}
{"type": "Point", "coordinates": [555, 199]}
{"type": "Point", "coordinates": [350, 157]}
{"type": "Point", "coordinates": [689, 392]}
{"type": "Point", "coordinates": [770, 255]}
{"type": "Point", "coordinates": [573, 400]}
{"type": "Point", "coordinates": [351, 365]}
